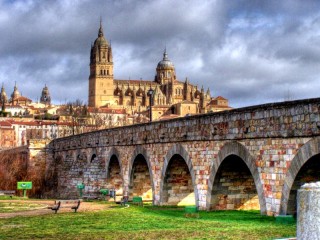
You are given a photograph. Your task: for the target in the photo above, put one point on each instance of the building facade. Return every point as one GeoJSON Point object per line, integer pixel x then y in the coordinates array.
{"type": "Point", "coordinates": [165, 93]}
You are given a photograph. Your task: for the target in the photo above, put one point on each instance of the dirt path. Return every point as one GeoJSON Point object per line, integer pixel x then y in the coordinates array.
{"type": "Point", "coordinates": [84, 207]}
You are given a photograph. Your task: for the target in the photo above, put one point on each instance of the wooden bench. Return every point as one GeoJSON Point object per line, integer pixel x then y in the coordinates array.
{"type": "Point", "coordinates": [73, 204]}
{"type": "Point", "coordinates": [7, 193]}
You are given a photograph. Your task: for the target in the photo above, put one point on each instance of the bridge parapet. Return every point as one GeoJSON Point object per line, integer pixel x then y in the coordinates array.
{"type": "Point", "coordinates": [277, 120]}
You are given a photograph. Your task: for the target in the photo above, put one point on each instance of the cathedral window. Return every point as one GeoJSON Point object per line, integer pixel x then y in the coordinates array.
{"type": "Point", "coordinates": [101, 72]}
{"type": "Point", "coordinates": [104, 72]}
{"type": "Point", "coordinates": [103, 55]}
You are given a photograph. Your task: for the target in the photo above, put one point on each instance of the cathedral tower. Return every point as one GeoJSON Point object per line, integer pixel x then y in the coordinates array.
{"type": "Point", "coordinates": [101, 72]}
{"type": "Point", "coordinates": [3, 96]}
{"type": "Point", "coordinates": [45, 96]}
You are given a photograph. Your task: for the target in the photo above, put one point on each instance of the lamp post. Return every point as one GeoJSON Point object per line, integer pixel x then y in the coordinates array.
{"type": "Point", "coordinates": [150, 93]}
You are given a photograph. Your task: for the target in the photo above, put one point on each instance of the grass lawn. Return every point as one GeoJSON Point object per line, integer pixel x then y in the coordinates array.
{"type": "Point", "coordinates": [7, 207]}
{"type": "Point", "coordinates": [145, 223]}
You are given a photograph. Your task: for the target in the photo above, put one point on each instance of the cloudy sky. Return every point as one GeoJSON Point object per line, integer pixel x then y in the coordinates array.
{"type": "Point", "coordinates": [249, 51]}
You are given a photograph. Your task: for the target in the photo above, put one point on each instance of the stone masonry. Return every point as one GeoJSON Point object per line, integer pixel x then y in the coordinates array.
{"type": "Point", "coordinates": [245, 158]}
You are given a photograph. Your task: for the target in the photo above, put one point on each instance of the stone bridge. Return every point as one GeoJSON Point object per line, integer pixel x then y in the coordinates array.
{"type": "Point", "coordinates": [249, 158]}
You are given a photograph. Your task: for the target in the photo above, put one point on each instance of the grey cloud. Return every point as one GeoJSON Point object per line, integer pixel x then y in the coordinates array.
{"type": "Point", "coordinates": [251, 52]}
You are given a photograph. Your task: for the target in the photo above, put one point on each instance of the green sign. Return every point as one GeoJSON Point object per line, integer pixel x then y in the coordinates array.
{"type": "Point", "coordinates": [80, 186]}
{"type": "Point", "coordinates": [24, 185]}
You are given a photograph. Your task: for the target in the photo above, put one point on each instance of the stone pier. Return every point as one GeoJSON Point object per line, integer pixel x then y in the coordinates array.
{"type": "Point", "coordinates": [308, 222]}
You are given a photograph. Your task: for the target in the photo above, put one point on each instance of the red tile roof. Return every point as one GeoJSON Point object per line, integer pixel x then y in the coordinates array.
{"type": "Point", "coordinates": [5, 124]}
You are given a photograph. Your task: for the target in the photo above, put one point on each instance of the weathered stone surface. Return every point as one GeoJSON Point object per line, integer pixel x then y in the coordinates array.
{"type": "Point", "coordinates": [274, 141]}
{"type": "Point", "coordinates": [308, 220]}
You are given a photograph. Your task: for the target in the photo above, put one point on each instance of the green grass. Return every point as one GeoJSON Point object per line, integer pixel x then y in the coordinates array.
{"type": "Point", "coordinates": [7, 207]}
{"type": "Point", "coordinates": [5, 197]}
{"type": "Point", "coordinates": [145, 223]}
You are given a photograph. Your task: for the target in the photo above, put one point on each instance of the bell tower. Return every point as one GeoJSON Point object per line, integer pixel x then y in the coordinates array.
{"type": "Point", "coordinates": [101, 72]}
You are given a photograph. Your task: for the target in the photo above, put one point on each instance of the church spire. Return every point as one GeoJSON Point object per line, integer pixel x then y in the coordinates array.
{"type": "Point", "coordinates": [208, 92]}
{"type": "Point", "coordinates": [100, 34]}
{"type": "Point", "coordinates": [165, 55]}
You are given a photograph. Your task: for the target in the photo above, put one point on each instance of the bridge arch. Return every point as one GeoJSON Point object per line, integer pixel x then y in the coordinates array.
{"type": "Point", "coordinates": [113, 152]}
{"type": "Point", "coordinates": [114, 172]}
{"type": "Point", "coordinates": [141, 157]}
{"type": "Point", "coordinates": [178, 150]}
{"type": "Point", "coordinates": [238, 150]}
{"type": "Point", "coordinates": [93, 155]}
{"type": "Point", "coordinates": [308, 151]}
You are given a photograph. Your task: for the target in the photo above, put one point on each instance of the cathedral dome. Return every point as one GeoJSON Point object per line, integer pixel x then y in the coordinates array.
{"type": "Point", "coordinates": [100, 41]}
{"type": "Point", "coordinates": [15, 93]}
{"type": "Point", "coordinates": [165, 63]}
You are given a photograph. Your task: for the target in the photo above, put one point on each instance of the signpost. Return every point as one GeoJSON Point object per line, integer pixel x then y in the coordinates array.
{"type": "Point", "coordinates": [24, 186]}
{"type": "Point", "coordinates": [80, 186]}
{"type": "Point", "coordinates": [104, 192]}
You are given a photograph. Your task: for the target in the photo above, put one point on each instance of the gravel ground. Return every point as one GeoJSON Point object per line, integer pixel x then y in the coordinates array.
{"type": "Point", "coordinates": [84, 207]}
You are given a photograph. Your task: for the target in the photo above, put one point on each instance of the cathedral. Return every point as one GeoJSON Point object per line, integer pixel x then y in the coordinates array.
{"type": "Point", "coordinates": [18, 99]}
{"type": "Point", "coordinates": [166, 94]}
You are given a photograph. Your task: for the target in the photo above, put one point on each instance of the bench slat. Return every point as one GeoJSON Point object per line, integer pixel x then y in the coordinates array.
{"type": "Point", "coordinates": [68, 201]}
{"type": "Point", "coordinates": [7, 192]}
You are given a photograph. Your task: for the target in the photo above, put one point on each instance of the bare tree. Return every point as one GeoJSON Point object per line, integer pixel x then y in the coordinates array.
{"type": "Point", "coordinates": [78, 112]}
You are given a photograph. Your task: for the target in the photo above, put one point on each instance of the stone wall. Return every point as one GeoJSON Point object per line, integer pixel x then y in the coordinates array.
{"type": "Point", "coordinates": [234, 187]}
{"type": "Point", "coordinates": [114, 177]}
{"type": "Point", "coordinates": [178, 187]}
{"type": "Point", "coordinates": [272, 140]}
{"type": "Point", "coordinates": [140, 182]}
